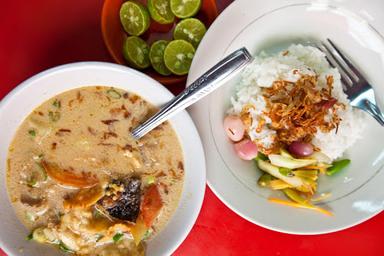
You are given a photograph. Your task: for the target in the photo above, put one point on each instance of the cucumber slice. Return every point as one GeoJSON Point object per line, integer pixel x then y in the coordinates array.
{"type": "Point", "coordinates": [290, 163]}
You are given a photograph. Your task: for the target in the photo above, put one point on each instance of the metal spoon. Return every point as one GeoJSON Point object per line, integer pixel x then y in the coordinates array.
{"type": "Point", "coordinates": [205, 84]}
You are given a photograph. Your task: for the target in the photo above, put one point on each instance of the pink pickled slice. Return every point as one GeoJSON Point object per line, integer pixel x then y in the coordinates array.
{"type": "Point", "coordinates": [234, 128]}
{"type": "Point", "coordinates": [246, 149]}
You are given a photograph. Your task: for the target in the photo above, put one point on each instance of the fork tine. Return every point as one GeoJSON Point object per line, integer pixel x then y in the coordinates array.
{"type": "Point", "coordinates": [374, 111]}
{"type": "Point", "coordinates": [338, 64]}
{"type": "Point", "coordinates": [347, 81]}
{"type": "Point", "coordinates": [344, 84]}
{"type": "Point", "coordinates": [349, 67]}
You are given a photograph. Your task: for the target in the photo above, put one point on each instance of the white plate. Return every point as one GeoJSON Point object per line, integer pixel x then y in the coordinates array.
{"type": "Point", "coordinates": [27, 96]}
{"type": "Point", "coordinates": [357, 27]}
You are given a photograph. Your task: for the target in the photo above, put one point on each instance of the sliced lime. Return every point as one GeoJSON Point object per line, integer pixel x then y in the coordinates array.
{"type": "Point", "coordinates": [134, 17]}
{"type": "Point", "coordinates": [185, 8]}
{"type": "Point", "coordinates": [136, 52]}
{"type": "Point", "coordinates": [178, 56]}
{"type": "Point", "coordinates": [156, 56]}
{"type": "Point", "coordinates": [191, 30]}
{"type": "Point", "coordinates": [160, 11]}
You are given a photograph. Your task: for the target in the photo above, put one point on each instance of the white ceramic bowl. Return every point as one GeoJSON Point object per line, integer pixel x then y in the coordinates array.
{"type": "Point", "coordinates": [357, 27]}
{"type": "Point", "coordinates": [31, 93]}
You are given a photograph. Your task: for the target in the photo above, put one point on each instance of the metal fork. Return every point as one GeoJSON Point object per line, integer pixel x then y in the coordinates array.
{"type": "Point", "coordinates": [359, 91]}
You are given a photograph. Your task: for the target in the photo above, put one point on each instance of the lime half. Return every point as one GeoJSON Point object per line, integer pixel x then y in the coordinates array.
{"type": "Point", "coordinates": [191, 30]}
{"type": "Point", "coordinates": [160, 11]}
{"type": "Point", "coordinates": [136, 52]}
{"type": "Point", "coordinates": [178, 56]}
{"type": "Point", "coordinates": [156, 56]}
{"type": "Point", "coordinates": [185, 8]}
{"type": "Point", "coordinates": [134, 17]}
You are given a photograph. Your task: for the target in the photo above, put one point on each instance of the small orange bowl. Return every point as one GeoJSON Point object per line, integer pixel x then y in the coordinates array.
{"type": "Point", "coordinates": [114, 34]}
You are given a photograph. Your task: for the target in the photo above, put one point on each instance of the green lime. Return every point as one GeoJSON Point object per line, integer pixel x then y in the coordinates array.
{"type": "Point", "coordinates": [134, 17]}
{"type": "Point", "coordinates": [178, 56]}
{"type": "Point", "coordinates": [191, 30]}
{"type": "Point", "coordinates": [156, 56]}
{"type": "Point", "coordinates": [160, 11]}
{"type": "Point", "coordinates": [136, 52]}
{"type": "Point", "coordinates": [185, 8]}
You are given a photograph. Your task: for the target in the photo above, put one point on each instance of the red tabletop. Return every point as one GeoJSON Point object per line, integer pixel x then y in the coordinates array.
{"type": "Point", "coordinates": [36, 35]}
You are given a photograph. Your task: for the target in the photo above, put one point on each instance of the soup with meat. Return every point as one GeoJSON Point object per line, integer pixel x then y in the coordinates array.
{"type": "Point", "coordinates": [79, 181]}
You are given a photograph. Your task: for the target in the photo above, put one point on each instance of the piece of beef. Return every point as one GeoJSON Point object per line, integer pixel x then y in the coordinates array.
{"type": "Point", "coordinates": [124, 205]}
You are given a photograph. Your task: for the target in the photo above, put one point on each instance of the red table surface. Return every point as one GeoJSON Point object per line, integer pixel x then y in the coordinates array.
{"type": "Point", "coordinates": [36, 35]}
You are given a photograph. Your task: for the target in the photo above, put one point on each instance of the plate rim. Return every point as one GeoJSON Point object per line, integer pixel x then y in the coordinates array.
{"type": "Point", "coordinates": [234, 8]}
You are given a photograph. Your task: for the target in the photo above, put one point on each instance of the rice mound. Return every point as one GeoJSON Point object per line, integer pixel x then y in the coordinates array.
{"type": "Point", "coordinates": [307, 60]}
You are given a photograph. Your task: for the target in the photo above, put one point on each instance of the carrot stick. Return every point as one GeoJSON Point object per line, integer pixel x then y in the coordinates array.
{"type": "Point", "coordinates": [296, 205]}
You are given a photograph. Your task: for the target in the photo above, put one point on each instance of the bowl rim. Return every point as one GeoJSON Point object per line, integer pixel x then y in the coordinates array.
{"type": "Point", "coordinates": [199, 182]}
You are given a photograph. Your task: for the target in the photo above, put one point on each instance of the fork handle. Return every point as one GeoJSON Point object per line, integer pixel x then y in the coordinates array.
{"type": "Point", "coordinates": [374, 111]}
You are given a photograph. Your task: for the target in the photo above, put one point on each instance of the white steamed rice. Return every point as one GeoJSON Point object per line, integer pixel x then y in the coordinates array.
{"type": "Point", "coordinates": [266, 69]}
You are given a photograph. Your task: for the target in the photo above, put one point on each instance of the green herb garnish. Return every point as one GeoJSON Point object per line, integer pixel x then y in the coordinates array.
{"type": "Point", "coordinates": [64, 248]}
{"type": "Point", "coordinates": [29, 237]}
{"type": "Point", "coordinates": [38, 157]}
{"type": "Point", "coordinates": [54, 116]}
{"type": "Point", "coordinates": [114, 94]}
{"type": "Point", "coordinates": [30, 216]}
{"type": "Point", "coordinates": [32, 133]}
{"type": "Point", "coordinates": [150, 179]}
{"type": "Point", "coordinates": [117, 237]}
{"type": "Point", "coordinates": [56, 103]}
{"type": "Point", "coordinates": [32, 181]}
{"type": "Point", "coordinates": [42, 170]}
{"type": "Point", "coordinates": [148, 233]}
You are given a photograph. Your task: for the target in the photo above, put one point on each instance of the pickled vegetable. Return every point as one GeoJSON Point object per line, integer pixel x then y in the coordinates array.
{"type": "Point", "coordinates": [234, 128]}
{"type": "Point", "coordinates": [338, 166]}
{"type": "Point", "coordinates": [301, 149]}
{"type": "Point", "coordinates": [246, 149]}
{"type": "Point", "coordinates": [291, 163]}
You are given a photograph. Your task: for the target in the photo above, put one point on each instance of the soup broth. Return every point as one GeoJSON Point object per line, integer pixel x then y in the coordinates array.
{"type": "Point", "coordinates": [77, 176]}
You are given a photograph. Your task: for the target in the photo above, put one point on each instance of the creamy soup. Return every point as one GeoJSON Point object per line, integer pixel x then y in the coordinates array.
{"type": "Point", "coordinates": [79, 181]}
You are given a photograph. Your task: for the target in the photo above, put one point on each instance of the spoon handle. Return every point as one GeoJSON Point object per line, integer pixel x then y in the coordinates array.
{"type": "Point", "coordinates": [205, 84]}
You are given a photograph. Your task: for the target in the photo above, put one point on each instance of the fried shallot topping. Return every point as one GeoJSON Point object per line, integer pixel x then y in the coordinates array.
{"type": "Point", "coordinates": [298, 110]}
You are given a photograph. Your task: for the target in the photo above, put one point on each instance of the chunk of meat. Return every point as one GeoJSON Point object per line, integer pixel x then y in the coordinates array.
{"type": "Point", "coordinates": [34, 204]}
{"type": "Point", "coordinates": [123, 199]}
{"type": "Point", "coordinates": [151, 205]}
{"type": "Point", "coordinates": [31, 201]}
{"type": "Point", "coordinates": [69, 178]}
